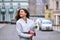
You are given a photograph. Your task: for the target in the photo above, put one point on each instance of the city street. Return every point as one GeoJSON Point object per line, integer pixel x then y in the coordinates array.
{"type": "Point", "coordinates": [8, 32]}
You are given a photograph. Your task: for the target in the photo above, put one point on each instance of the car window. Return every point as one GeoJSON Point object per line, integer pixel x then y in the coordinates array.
{"type": "Point", "coordinates": [47, 22]}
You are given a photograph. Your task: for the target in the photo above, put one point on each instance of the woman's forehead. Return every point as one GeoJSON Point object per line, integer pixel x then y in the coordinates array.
{"type": "Point", "coordinates": [21, 10]}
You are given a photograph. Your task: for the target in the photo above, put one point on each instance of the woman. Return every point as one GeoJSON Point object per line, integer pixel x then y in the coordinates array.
{"type": "Point", "coordinates": [24, 25]}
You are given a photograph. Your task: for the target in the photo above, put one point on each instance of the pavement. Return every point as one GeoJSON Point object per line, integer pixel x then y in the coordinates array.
{"type": "Point", "coordinates": [8, 32]}
{"type": "Point", "coordinates": [56, 28]}
{"type": "Point", "coordinates": [2, 25]}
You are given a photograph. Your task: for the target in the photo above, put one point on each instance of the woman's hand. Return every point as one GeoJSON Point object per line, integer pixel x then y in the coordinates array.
{"type": "Point", "coordinates": [31, 33]}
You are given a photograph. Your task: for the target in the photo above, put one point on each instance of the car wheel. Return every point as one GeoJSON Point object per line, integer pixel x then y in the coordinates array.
{"type": "Point", "coordinates": [40, 28]}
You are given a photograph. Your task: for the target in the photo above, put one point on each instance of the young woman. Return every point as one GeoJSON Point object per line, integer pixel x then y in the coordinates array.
{"type": "Point", "coordinates": [24, 25]}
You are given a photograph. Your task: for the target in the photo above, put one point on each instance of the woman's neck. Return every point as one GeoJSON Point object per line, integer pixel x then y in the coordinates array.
{"type": "Point", "coordinates": [25, 19]}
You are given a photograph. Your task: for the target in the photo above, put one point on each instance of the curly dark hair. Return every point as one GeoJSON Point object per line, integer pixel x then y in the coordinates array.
{"type": "Point", "coordinates": [17, 17]}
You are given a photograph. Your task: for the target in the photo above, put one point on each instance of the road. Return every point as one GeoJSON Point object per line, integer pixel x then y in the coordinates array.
{"type": "Point", "coordinates": [8, 32]}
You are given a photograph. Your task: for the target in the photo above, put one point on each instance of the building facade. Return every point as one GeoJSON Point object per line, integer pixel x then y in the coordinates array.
{"type": "Point", "coordinates": [57, 11]}
{"type": "Point", "coordinates": [55, 5]}
{"type": "Point", "coordinates": [8, 8]}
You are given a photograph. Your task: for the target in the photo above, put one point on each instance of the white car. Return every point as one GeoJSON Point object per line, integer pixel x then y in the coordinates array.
{"type": "Point", "coordinates": [44, 24]}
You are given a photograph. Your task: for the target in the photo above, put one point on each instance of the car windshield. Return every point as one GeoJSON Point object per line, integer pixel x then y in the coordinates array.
{"type": "Point", "coordinates": [47, 22]}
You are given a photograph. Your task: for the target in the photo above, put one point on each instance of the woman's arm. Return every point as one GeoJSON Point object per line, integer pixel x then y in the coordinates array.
{"type": "Point", "coordinates": [19, 30]}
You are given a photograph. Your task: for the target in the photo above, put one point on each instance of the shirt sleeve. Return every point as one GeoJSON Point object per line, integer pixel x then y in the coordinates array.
{"type": "Point", "coordinates": [19, 30]}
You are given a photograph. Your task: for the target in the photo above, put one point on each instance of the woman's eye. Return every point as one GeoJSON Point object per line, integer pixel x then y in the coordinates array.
{"type": "Point", "coordinates": [21, 11]}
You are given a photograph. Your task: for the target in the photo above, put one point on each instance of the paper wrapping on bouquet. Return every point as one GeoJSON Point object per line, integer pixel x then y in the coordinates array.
{"type": "Point", "coordinates": [34, 33]}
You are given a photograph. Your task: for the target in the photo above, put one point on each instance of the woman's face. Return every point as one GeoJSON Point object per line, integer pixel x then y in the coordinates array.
{"type": "Point", "coordinates": [22, 13]}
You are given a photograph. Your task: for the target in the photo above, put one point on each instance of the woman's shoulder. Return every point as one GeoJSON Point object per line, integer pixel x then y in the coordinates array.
{"type": "Point", "coordinates": [18, 21]}
{"type": "Point", "coordinates": [31, 20]}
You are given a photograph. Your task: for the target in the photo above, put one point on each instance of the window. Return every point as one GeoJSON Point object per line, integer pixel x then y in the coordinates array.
{"type": "Point", "coordinates": [0, 4]}
{"type": "Point", "coordinates": [7, 0]}
{"type": "Point", "coordinates": [24, 5]}
{"type": "Point", "coordinates": [3, 16]}
{"type": "Point", "coordinates": [7, 5]}
{"type": "Point", "coordinates": [59, 19]}
{"type": "Point", "coordinates": [3, 8]}
{"type": "Point", "coordinates": [11, 6]}
{"type": "Point", "coordinates": [18, 6]}
{"type": "Point", "coordinates": [0, 0]}
{"type": "Point", "coordinates": [20, 0]}
{"type": "Point", "coordinates": [57, 5]}
{"type": "Point", "coordinates": [11, 16]}
{"type": "Point", "coordinates": [15, 5]}
{"type": "Point", "coordinates": [47, 7]}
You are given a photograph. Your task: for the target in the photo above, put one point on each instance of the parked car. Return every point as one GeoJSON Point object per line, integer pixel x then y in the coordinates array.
{"type": "Point", "coordinates": [44, 24]}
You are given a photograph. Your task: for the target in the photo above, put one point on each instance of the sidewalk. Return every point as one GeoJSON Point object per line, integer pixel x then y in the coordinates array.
{"type": "Point", "coordinates": [2, 25]}
{"type": "Point", "coordinates": [56, 28]}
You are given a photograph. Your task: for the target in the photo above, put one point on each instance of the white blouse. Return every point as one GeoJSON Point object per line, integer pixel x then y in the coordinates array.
{"type": "Point", "coordinates": [22, 26]}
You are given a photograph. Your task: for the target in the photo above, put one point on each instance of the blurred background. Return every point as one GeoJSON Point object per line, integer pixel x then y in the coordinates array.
{"type": "Point", "coordinates": [47, 9]}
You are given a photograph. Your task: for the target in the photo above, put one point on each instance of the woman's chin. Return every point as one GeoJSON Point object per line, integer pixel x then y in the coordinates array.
{"type": "Point", "coordinates": [21, 16]}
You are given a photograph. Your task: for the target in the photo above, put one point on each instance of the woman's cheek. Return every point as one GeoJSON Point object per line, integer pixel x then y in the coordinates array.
{"type": "Point", "coordinates": [21, 15]}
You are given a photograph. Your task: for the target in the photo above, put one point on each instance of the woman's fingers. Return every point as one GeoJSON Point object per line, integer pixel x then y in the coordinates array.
{"type": "Point", "coordinates": [31, 35]}
{"type": "Point", "coordinates": [31, 32]}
